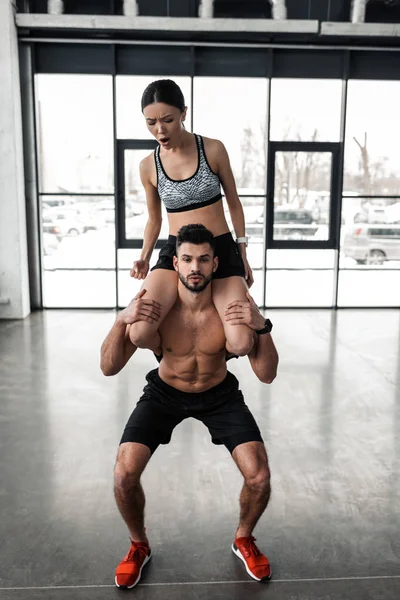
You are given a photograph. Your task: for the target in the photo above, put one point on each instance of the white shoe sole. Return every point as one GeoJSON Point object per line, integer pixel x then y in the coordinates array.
{"type": "Point", "coordinates": [129, 587]}
{"type": "Point", "coordinates": [237, 553]}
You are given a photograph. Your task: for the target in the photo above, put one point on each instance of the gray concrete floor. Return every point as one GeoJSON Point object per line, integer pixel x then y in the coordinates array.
{"type": "Point", "coordinates": [331, 423]}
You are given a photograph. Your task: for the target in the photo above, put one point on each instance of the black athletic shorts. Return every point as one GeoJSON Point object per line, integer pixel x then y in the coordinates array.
{"type": "Point", "coordinates": [230, 262]}
{"type": "Point", "coordinates": [162, 407]}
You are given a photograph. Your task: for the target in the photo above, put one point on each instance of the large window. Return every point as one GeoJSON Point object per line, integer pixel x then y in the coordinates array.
{"type": "Point", "coordinates": [75, 141]}
{"type": "Point", "coordinates": [76, 183]}
{"type": "Point", "coordinates": [370, 248]}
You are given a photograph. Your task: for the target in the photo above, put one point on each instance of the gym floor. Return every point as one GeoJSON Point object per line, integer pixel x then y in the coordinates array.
{"type": "Point", "coordinates": [331, 424]}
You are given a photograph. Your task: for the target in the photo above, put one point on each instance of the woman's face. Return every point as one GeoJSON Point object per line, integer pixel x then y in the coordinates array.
{"type": "Point", "coordinates": [164, 122]}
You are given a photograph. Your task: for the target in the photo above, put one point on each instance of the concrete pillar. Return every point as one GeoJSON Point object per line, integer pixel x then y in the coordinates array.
{"type": "Point", "coordinates": [206, 9]}
{"type": "Point", "coordinates": [14, 282]}
{"type": "Point", "coordinates": [55, 7]}
{"type": "Point", "coordinates": [130, 8]}
{"type": "Point", "coordinates": [279, 9]}
{"type": "Point", "coordinates": [358, 10]}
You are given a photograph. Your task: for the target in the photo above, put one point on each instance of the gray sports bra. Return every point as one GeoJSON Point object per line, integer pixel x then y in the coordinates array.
{"type": "Point", "coordinates": [201, 189]}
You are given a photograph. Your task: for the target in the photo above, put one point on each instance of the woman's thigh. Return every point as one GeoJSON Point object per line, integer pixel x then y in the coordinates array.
{"type": "Point", "coordinates": [161, 285]}
{"type": "Point", "coordinates": [240, 338]}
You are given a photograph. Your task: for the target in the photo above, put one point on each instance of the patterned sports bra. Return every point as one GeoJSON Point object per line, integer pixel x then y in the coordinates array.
{"type": "Point", "coordinates": [202, 189]}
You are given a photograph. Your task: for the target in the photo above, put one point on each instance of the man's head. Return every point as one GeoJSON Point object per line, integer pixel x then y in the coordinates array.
{"type": "Point", "coordinates": [195, 260]}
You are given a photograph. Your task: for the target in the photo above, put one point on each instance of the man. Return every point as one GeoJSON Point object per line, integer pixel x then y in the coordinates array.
{"type": "Point", "coordinates": [192, 380]}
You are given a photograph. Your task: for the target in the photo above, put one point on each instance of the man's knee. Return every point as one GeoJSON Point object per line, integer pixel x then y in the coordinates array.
{"type": "Point", "coordinates": [259, 480]}
{"type": "Point", "coordinates": [130, 464]}
{"type": "Point", "coordinates": [126, 478]}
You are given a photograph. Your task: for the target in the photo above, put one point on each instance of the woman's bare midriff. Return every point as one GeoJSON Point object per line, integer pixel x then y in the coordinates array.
{"type": "Point", "coordinates": [211, 216]}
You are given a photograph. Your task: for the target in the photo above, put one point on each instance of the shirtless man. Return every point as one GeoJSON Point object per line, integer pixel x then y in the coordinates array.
{"type": "Point", "coordinates": [192, 380]}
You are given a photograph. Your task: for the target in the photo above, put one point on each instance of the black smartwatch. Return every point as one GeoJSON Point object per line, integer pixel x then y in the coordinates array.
{"type": "Point", "coordinates": [266, 329]}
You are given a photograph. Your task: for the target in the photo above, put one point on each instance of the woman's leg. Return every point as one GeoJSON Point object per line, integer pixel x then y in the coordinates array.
{"type": "Point", "coordinates": [239, 338]}
{"type": "Point", "coordinates": [161, 285]}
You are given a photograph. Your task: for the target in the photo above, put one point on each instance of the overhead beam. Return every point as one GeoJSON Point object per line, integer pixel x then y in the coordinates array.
{"type": "Point", "coordinates": [360, 29]}
{"type": "Point", "coordinates": [123, 23]}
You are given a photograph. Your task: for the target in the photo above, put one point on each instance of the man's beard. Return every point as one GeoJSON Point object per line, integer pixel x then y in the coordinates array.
{"type": "Point", "coordinates": [196, 288]}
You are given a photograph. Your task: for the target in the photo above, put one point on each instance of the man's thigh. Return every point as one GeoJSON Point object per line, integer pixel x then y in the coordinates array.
{"type": "Point", "coordinates": [230, 421]}
{"type": "Point", "coordinates": [151, 423]}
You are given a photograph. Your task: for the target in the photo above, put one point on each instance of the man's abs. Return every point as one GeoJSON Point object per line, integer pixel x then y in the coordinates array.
{"type": "Point", "coordinates": [193, 373]}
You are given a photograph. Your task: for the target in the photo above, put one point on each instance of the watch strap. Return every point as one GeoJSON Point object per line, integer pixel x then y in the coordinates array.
{"type": "Point", "coordinates": [266, 329]}
{"type": "Point", "coordinates": [242, 240]}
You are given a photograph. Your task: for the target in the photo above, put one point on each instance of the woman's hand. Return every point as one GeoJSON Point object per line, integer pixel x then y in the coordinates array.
{"type": "Point", "coordinates": [245, 313]}
{"type": "Point", "coordinates": [140, 269]}
{"type": "Point", "coordinates": [140, 309]}
{"type": "Point", "coordinates": [248, 273]}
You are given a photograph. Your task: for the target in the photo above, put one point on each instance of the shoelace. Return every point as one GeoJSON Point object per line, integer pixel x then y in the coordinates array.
{"type": "Point", "coordinates": [136, 553]}
{"type": "Point", "coordinates": [250, 549]}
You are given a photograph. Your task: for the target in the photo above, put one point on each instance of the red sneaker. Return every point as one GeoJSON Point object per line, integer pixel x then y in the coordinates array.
{"type": "Point", "coordinates": [130, 568]}
{"type": "Point", "coordinates": [256, 563]}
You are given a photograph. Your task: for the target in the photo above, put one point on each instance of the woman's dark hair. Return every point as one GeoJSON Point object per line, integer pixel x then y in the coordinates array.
{"type": "Point", "coordinates": [166, 91]}
{"type": "Point", "coordinates": [195, 234]}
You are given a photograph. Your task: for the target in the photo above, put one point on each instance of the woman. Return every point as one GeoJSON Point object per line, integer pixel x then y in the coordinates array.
{"type": "Point", "coordinates": [185, 172]}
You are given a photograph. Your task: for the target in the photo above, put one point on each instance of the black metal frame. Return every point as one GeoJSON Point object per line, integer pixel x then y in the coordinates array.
{"type": "Point", "coordinates": [121, 240]}
{"type": "Point", "coordinates": [327, 147]}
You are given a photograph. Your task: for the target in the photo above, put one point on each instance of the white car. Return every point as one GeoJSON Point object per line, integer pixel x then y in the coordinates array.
{"type": "Point", "coordinates": [66, 222]}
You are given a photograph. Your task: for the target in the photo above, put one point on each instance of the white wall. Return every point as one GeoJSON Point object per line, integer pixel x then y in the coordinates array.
{"type": "Point", "coordinates": [14, 283]}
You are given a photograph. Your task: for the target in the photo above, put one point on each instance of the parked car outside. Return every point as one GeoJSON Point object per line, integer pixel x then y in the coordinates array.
{"type": "Point", "coordinates": [67, 224]}
{"type": "Point", "coordinates": [293, 223]}
{"type": "Point", "coordinates": [372, 244]}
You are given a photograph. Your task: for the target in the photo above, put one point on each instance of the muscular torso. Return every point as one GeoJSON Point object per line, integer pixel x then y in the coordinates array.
{"type": "Point", "coordinates": [193, 347]}
{"type": "Point", "coordinates": [182, 166]}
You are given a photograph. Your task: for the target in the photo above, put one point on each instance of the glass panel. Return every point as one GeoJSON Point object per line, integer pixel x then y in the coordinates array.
{"type": "Point", "coordinates": [370, 252]}
{"type": "Point", "coordinates": [302, 195]}
{"type": "Point", "coordinates": [369, 287]}
{"type": "Point", "coordinates": [306, 110]}
{"type": "Point", "coordinates": [78, 240]}
{"type": "Point", "coordinates": [372, 135]}
{"type": "Point", "coordinates": [75, 133]}
{"type": "Point", "coordinates": [234, 110]}
{"type": "Point", "coordinates": [300, 277]}
{"type": "Point", "coordinates": [135, 198]}
{"type": "Point", "coordinates": [129, 90]}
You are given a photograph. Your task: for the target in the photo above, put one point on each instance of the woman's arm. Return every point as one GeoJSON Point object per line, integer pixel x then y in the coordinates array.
{"type": "Point", "coordinates": [153, 225]}
{"type": "Point", "coordinates": [235, 206]}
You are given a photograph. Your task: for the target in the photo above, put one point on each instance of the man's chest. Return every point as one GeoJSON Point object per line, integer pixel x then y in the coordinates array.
{"type": "Point", "coordinates": [203, 334]}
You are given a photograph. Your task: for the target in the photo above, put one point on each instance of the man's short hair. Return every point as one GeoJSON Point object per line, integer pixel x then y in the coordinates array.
{"type": "Point", "coordinates": [194, 234]}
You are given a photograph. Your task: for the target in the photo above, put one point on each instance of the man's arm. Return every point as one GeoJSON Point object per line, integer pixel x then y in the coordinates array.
{"type": "Point", "coordinates": [263, 356]}
{"type": "Point", "coordinates": [117, 348]}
